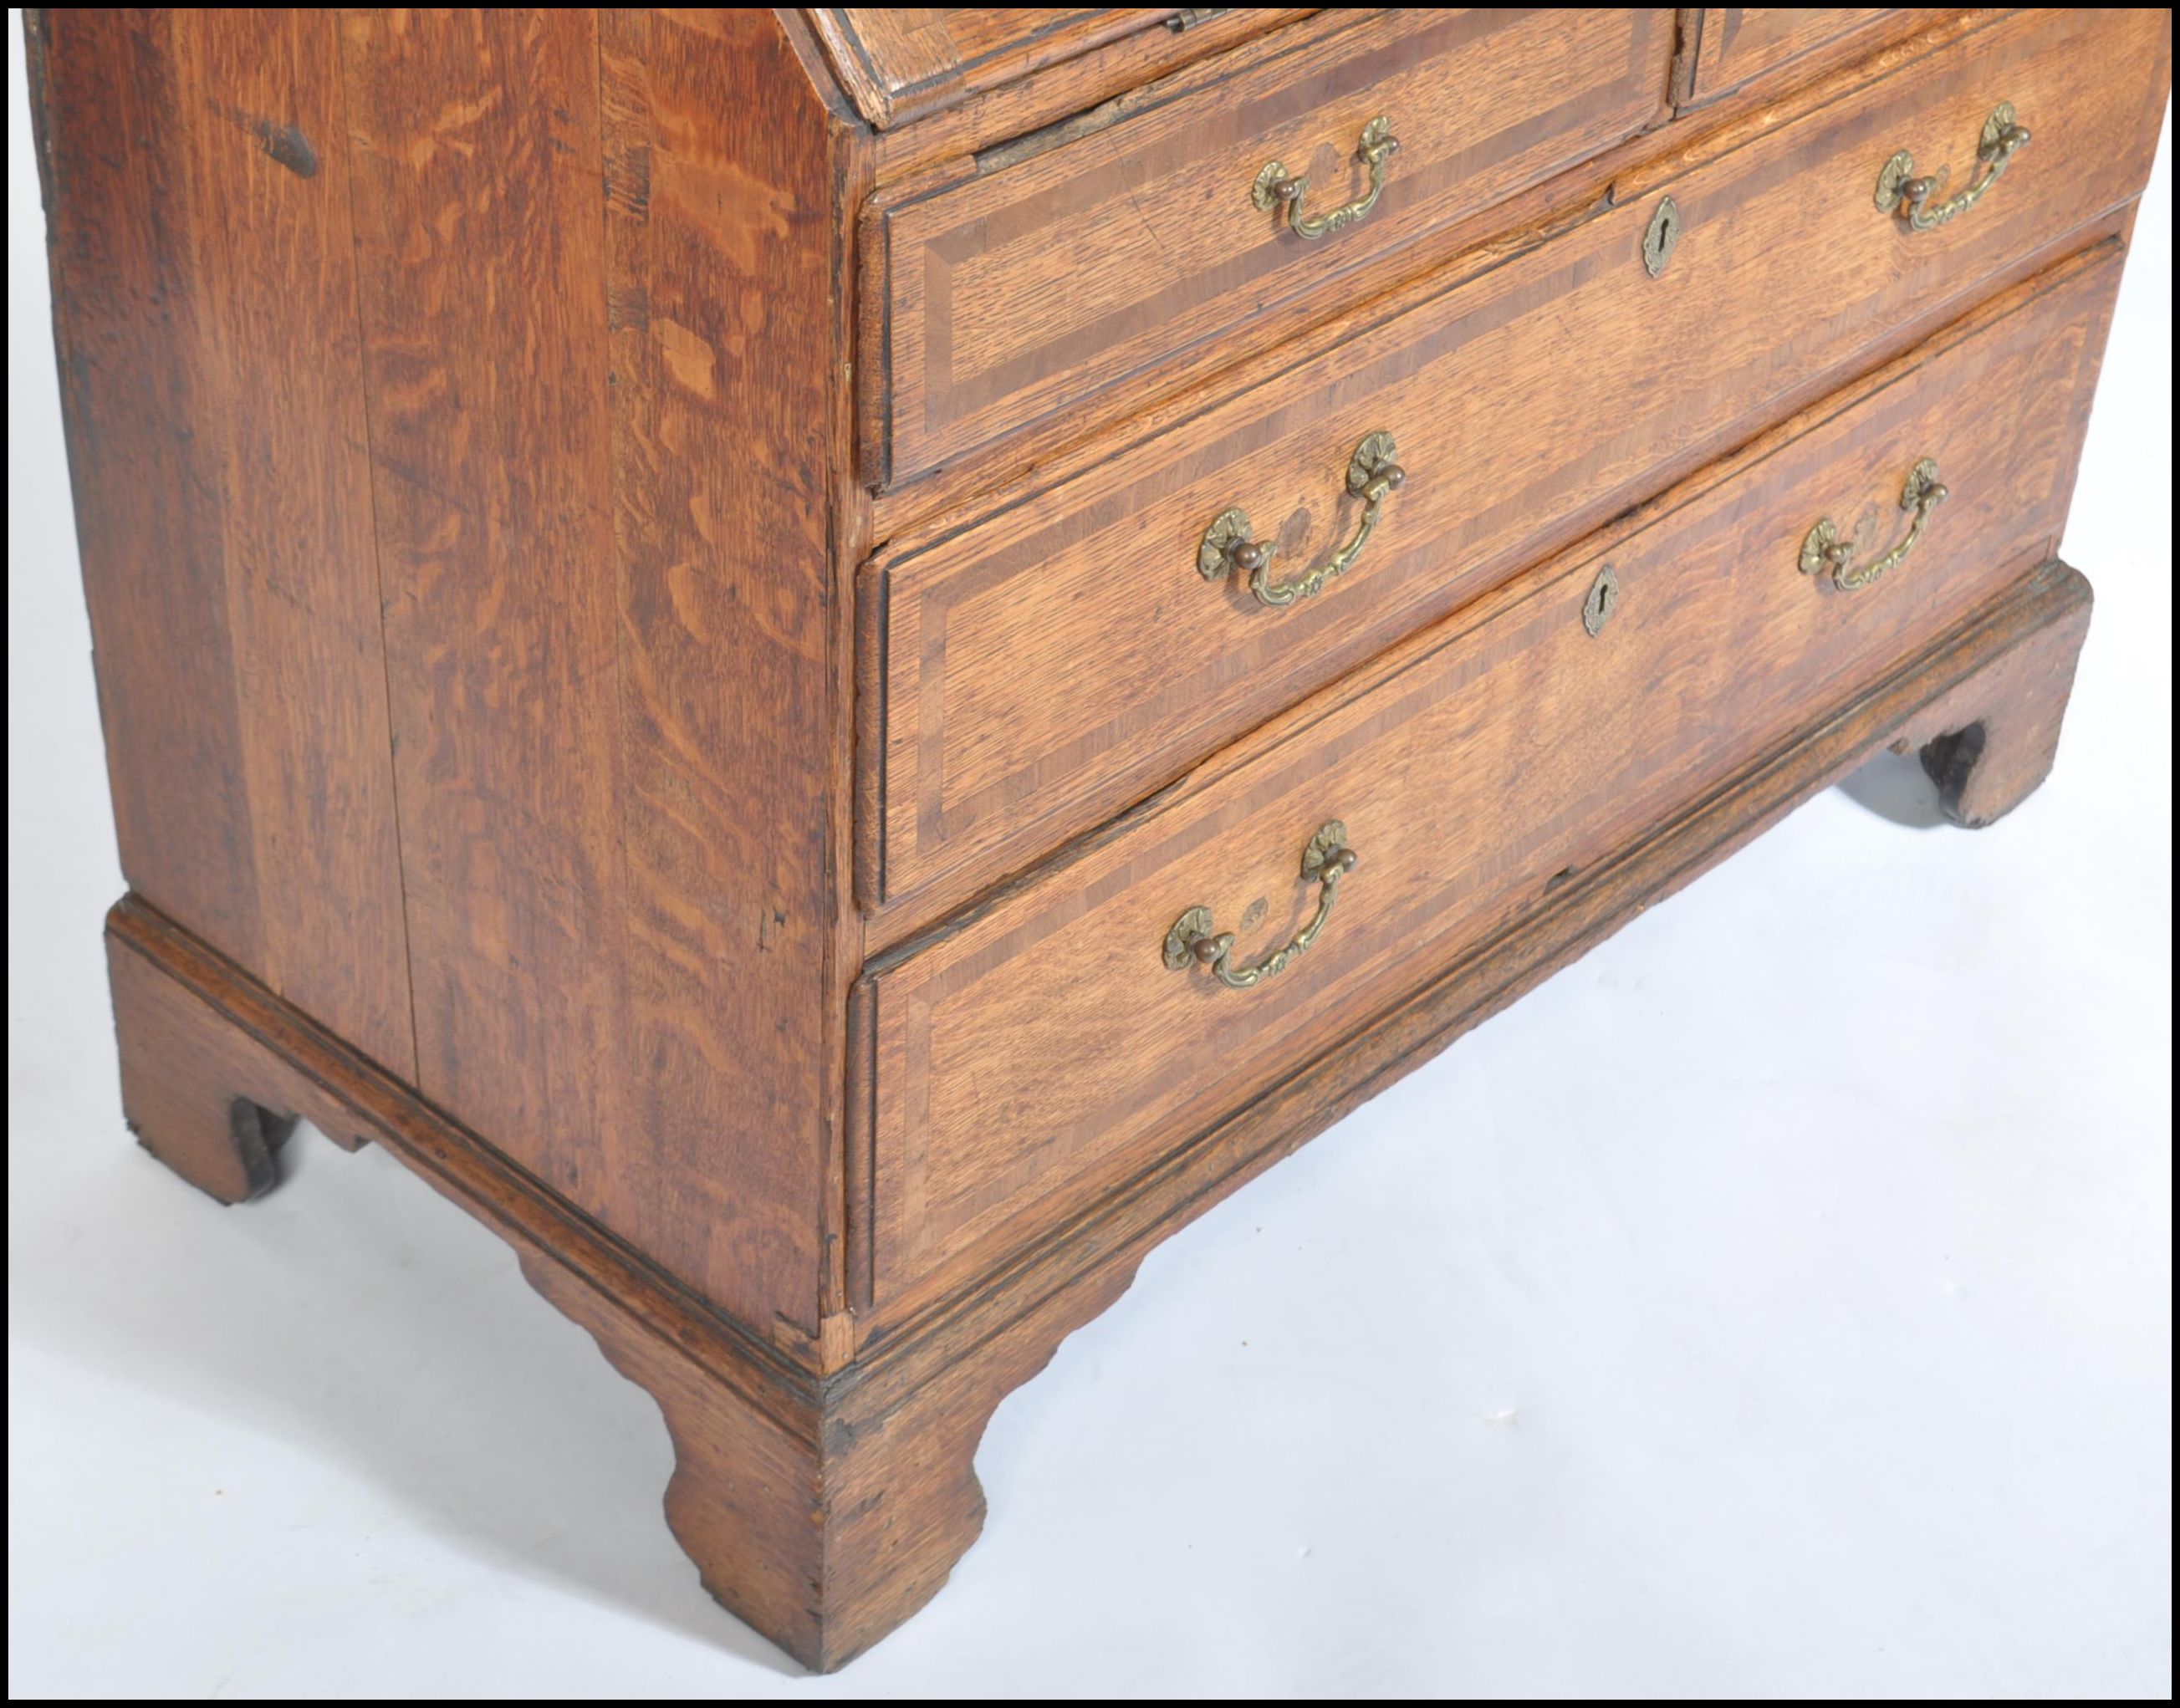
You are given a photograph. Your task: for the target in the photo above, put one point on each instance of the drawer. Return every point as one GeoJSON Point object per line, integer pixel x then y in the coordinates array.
{"type": "Point", "coordinates": [900, 63]}
{"type": "Point", "coordinates": [1037, 1053]}
{"type": "Point", "coordinates": [1036, 283]}
{"type": "Point", "coordinates": [1734, 45]}
{"type": "Point", "coordinates": [1051, 665]}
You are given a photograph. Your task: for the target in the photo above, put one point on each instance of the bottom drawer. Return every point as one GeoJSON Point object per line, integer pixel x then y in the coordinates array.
{"type": "Point", "coordinates": [1033, 1053]}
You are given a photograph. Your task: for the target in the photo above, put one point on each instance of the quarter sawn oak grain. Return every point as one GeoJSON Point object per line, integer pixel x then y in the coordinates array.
{"type": "Point", "coordinates": [205, 315]}
{"type": "Point", "coordinates": [643, 566]}
{"type": "Point", "coordinates": [563, 392]}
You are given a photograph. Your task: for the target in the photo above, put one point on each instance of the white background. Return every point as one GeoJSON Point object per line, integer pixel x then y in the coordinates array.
{"type": "Point", "coordinates": [1777, 1303]}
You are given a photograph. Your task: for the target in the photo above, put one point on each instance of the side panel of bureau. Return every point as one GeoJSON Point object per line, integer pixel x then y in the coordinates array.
{"type": "Point", "coordinates": [603, 504]}
{"type": "Point", "coordinates": [1526, 405]}
{"type": "Point", "coordinates": [476, 159]}
{"type": "Point", "coordinates": [197, 187]}
{"type": "Point", "coordinates": [1040, 1052]}
{"type": "Point", "coordinates": [456, 422]}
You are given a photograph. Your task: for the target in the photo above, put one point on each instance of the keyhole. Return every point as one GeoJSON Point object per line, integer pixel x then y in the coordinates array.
{"type": "Point", "coordinates": [1658, 241]}
{"type": "Point", "coordinates": [1604, 599]}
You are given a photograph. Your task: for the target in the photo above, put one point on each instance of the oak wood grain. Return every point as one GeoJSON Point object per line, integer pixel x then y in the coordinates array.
{"type": "Point", "coordinates": [721, 229]}
{"type": "Point", "coordinates": [1513, 753]}
{"type": "Point", "coordinates": [197, 185]}
{"type": "Point", "coordinates": [603, 448]}
{"type": "Point", "coordinates": [1041, 279]}
{"type": "Point", "coordinates": [983, 765]}
{"type": "Point", "coordinates": [478, 234]}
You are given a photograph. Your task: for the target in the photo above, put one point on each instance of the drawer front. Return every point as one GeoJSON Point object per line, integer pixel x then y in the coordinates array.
{"type": "Point", "coordinates": [1734, 45]}
{"type": "Point", "coordinates": [1043, 1049]}
{"type": "Point", "coordinates": [900, 63]}
{"type": "Point", "coordinates": [1033, 285]}
{"type": "Point", "coordinates": [1059, 661]}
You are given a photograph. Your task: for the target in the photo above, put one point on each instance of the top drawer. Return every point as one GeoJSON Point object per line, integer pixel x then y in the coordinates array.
{"type": "Point", "coordinates": [1734, 45]}
{"type": "Point", "coordinates": [1033, 284]}
{"type": "Point", "coordinates": [899, 63]}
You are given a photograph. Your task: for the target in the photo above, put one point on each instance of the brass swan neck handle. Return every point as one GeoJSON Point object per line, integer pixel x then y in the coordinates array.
{"type": "Point", "coordinates": [1227, 546]}
{"type": "Point", "coordinates": [1276, 188]}
{"type": "Point", "coordinates": [1825, 548]}
{"type": "Point", "coordinates": [1900, 191]}
{"type": "Point", "coordinates": [1191, 941]}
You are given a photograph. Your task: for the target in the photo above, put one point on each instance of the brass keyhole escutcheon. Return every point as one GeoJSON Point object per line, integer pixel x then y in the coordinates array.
{"type": "Point", "coordinates": [1603, 600]}
{"type": "Point", "coordinates": [1664, 234]}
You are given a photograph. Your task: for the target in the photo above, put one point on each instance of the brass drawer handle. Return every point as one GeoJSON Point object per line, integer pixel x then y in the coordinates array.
{"type": "Point", "coordinates": [1899, 190]}
{"type": "Point", "coordinates": [1371, 472]}
{"type": "Point", "coordinates": [1824, 548]}
{"type": "Point", "coordinates": [1325, 861]}
{"type": "Point", "coordinates": [1377, 146]}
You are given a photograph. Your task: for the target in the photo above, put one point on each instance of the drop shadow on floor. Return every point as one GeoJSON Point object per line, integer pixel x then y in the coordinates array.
{"type": "Point", "coordinates": [1896, 788]}
{"type": "Point", "coordinates": [356, 1312]}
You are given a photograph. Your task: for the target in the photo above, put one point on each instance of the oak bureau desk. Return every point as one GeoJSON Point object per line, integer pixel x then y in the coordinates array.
{"type": "Point", "coordinates": [835, 664]}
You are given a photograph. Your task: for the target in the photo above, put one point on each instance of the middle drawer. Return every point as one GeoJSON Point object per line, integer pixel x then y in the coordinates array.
{"type": "Point", "coordinates": [1045, 669]}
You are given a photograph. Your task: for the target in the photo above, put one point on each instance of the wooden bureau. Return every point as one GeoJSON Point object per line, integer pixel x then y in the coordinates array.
{"type": "Point", "coordinates": [835, 664]}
